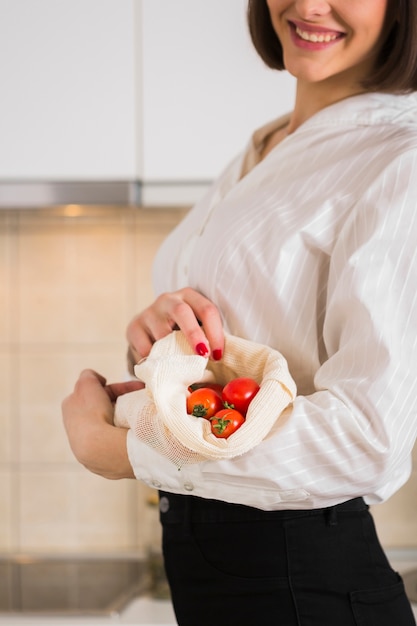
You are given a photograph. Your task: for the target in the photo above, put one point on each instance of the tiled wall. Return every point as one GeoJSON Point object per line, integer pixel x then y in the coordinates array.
{"type": "Point", "coordinates": [68, 286]}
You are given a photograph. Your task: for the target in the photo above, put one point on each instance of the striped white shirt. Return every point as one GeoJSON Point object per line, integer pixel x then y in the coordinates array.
{"type": "Point", "coordinates": [314, 253]}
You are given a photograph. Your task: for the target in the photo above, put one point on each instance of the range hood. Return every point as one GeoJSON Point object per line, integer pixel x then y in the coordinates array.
{"type": "Point", "coordinates": [37, 194]}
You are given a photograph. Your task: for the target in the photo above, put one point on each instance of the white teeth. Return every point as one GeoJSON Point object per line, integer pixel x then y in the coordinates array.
{"type": "Point", "coordinates": [315, 37]}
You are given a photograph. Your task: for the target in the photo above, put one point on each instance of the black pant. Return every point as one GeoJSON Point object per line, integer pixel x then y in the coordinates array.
{"type": "Point", "coordinates": [232, 565]}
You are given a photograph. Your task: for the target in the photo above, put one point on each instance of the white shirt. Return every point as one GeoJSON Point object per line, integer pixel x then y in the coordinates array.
{"type": "Point", "coordinates": [314, 253]}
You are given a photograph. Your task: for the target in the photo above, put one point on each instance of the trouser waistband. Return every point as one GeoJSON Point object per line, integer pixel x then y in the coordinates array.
{"type": "Point", "coordinates": [176, 508]}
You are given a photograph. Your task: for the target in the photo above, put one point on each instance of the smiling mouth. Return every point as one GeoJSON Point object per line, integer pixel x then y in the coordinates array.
{"type": "Point", "coordinates": [316, 36]}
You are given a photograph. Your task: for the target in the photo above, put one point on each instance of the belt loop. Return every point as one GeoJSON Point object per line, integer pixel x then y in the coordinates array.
{"type": "Point", "coordinates": [332, 516]}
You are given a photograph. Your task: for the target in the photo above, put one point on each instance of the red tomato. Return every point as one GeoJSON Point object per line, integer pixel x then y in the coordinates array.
{"type": "Point", "coordinates": [204, 402]}
{"type": "Point", "coordinates": [215, 386]}
{"type": "Point", "coordinates": [239, 392]}
{"type": "Point", "coordinates": [226, 422]}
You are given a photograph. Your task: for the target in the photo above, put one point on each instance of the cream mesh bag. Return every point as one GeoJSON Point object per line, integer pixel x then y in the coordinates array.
{"type": "Point", "coordinates": [157, 414]}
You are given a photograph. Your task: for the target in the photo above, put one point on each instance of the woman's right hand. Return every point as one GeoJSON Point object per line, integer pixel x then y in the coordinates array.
{"type": "Point", "coordinates": [88, 414]}
{"type": "Point", "coordinates": [185, 309]}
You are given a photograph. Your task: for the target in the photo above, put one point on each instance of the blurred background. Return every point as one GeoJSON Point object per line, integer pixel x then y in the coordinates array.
{"type": "Point", "coordinates": [115, 115]}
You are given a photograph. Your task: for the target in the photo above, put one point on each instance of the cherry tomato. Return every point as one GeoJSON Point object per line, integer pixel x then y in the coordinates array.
{"type": "Point", "coordinates": [215, 386]}
{"type": "Point", "coordinates": [239, 392]}
{"type": "Point", "coordinates": [204, 402]}
{"type": "Point", "coordinates": [226, 422]}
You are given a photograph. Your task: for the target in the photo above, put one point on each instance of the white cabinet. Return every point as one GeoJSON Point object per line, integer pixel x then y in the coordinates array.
{"type": "Point", "coordinates": [67, 109]}
{"type": "Point", "coordinates": [160, 92]}
{"type": "Point", "coordinates": [204, 87]}
{"type": "Point", "coordinates": [204, 91]}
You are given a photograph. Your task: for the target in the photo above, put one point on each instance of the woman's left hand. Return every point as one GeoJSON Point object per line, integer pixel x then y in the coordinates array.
{"type": "Point", "coordinates": [185, 309]}
{"type": "Point", "coordinates": [88, 414]}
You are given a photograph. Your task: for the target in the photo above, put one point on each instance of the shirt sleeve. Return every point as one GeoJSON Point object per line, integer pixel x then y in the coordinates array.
{"type": "Point", "coordinates": [353, 436]}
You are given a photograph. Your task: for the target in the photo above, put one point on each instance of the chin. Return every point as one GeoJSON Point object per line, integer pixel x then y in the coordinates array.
{"type": "Point", "coordinates": [307, 76]}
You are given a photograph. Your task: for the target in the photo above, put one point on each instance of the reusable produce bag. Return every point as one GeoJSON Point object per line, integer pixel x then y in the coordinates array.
{"type": "Point", "coordinates": [157, 414]}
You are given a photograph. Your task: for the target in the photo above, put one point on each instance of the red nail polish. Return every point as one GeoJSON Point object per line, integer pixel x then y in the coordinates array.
{"type": "Point", "coordinates": [201, 349]}
{"type": "Point", "coordinates": [217, 355]}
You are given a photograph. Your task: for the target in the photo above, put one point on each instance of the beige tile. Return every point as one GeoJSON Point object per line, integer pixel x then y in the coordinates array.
{"type": "Point", "coordinates": [73, 216]}
{"type": "Point", "coordinates": [44, 382]}
{"type": "Point", "coordinates": [6, 276]}
{"type": "Point", "coordinates": [6, 511]}
{"type": "Point", "coordinates": [396, 519]}
{"type": "Point", "coordinates": [106, 519]}
{"type": "Point", "coordinates": [8, 439]}
{"type": "Point", "coordinates": [48, 511]}
{"type": "Point", "coordinates": [147, 529]}
{"type": "Point", "coordinates": [144, 293]}
{"type": "Point", "coordinates": [77, 283]}
{"type": "Point", "coordinates": [149, 235]}
{"type": "Point", "coordinates": [110, 362]}
{"type": "Point", "coordinates": [160, 218]}
{"type": "Point", "coordinates": [4, 291]}
{"type": "Point", "coordinates": [76, 511]}
{"type": "Point", "coordinates": [72, 284]}
{"type": "Point", "coordinates": [46, 378]}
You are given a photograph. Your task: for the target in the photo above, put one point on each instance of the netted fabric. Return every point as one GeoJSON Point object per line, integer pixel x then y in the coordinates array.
{"type": "Point", "coordinates": [158, 416]}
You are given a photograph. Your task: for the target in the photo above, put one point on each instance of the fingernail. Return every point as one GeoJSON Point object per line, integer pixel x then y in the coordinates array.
{"type": "Point", "coordinates": [201, 349]}
{"type": "Point", "coordinates": [217, 355]}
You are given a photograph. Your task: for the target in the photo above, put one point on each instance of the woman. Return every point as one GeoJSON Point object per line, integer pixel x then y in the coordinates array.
{"type": "Point", "coordinates": [306, 243]}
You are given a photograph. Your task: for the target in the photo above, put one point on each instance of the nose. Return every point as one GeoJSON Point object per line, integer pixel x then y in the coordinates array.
{"type": "Point", "coordinates": [309, 9]}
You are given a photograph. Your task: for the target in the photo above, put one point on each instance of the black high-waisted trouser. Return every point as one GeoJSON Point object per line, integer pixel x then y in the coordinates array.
{"type": "Point", "coordinates": [232, 565]}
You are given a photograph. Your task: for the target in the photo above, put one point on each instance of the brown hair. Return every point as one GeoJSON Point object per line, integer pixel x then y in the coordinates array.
{"type": "Point", "coordinates": [396, 68]}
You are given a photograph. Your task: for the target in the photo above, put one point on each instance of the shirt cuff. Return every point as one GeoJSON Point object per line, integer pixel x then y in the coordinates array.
{"type": "Point", "coordinates": [202, 480]}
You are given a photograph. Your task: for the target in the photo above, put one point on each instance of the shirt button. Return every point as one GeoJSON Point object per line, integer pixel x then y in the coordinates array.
{"type": "Point", "coordinates": [188, 486]}
{"type": "Point", "coordinates": [156, 484]}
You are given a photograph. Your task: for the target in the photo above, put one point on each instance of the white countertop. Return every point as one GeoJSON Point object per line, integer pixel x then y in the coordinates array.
{"type": "Point", "coordinates": [145, 611]}
{"type": "Point", "coordinates": [141, 611]}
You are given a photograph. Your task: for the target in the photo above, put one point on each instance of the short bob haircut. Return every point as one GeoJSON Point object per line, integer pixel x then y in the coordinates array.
{"type": "Point", "coordinates": [396, 68]}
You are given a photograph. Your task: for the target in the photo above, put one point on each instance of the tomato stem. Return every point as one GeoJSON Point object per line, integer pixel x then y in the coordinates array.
{"type": "Point", "coordinates": [221, 424]}
{"type": "Point", "coordinates": [199, 410]}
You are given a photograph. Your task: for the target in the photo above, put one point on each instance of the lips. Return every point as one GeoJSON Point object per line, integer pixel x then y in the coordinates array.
{"type": "Point", "coordinates": [314, 34]}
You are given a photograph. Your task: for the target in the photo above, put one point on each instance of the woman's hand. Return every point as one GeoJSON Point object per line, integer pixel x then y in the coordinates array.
{"type": "Point", "coordinates": [187, 310]}
{"type": "Point", "coordinates": [88, 419]}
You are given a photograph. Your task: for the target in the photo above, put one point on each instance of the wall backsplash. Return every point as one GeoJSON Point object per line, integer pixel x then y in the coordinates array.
{"type": "Point", "coordinates": [68, 287]}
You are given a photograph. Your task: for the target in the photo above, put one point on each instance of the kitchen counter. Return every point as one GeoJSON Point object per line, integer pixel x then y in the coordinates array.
{"type": "Point", "coordinates": [148, 611]}
{"type": "Point", "coordinates": [88, 590]}
{"type": "Point", "coordinates": [143, 611]}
